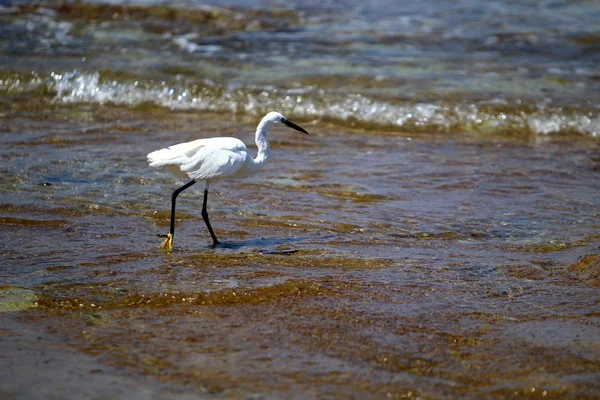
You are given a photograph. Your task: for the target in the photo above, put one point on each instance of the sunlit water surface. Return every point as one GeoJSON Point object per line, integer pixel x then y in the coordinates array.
{"type": "Point", "coordinates": [430, 238]}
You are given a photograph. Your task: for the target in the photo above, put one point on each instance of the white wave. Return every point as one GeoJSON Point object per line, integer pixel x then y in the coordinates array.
{"type": "Point", "coordinates": [75, 87]}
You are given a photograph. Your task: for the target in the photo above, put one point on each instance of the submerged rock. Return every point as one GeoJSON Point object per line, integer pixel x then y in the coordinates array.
{"type": "Point", "coordinates": [587, 269]}
{"type": "Point", "coordinates": [16, 299]}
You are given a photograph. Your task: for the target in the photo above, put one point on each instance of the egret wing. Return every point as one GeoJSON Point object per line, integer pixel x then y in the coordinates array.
{"type": "Point", "coordinates": [203, 158]}
{"type": "Point", "coordinates": [212, 162]}
{"type": "Point", "coordinates": [189, 149]}
{"type": "Point", "coordinates": [180, 154]}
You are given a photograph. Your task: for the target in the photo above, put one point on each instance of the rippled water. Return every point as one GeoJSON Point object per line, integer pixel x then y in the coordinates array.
{"type": "Point", "coordinates": [436, 235]}
{"type": "Point", "coordinates": [449, 67]}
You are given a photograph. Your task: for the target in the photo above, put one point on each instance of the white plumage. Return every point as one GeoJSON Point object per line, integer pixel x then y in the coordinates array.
{"type": "Point", "coordinates": [213, 159]}
{"type": "Point", "coordinates": [205, 159]}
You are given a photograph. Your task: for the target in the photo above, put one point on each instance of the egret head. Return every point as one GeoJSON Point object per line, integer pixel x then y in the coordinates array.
{"type": "Point", "coordinates": [276, 118]}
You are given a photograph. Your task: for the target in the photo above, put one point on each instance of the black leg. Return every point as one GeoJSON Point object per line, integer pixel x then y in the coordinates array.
{"type": "Point", "coordinates": [206, 221]}
{"type": "Point", "coordinates": [173, 200]}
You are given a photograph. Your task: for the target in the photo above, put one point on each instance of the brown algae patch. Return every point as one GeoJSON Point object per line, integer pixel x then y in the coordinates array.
{"type": "Point", "coordinates": [79, 296]}
{"type": "Point", "coordinates": [79, 209]}
{"type": "Point", "coordinates": [587, 269]}
{"type": "Point", "coordinates": [158, 19]}
{"type": "Point", "coordinates": [355, 196]}
{"type": "Point", "coordinates": [163, 217]}
{"type": "Point", "coordinates": [303, 260]}
{"type": "Point", "coordinates": [48, 223]}
{"type": "Point", "coordinates": [158, 300]}
{"type": "Point", "coordinates": [229, 296]}
{"type": "Point", "coordinates": [333, 262]}
{"type": "Point", "coordinates": [529, 272]}
{"type": "Point", "coordinates": [115, 259]}
{"type": "Point", "coordinates": [254, 221]}
{"type": "Point", "coordinates": [445, 235]}
{"type": "Point", "coordinates": [339, 191]}
{"type": "Point", "coordinates": [209, 279]}
{"type": "Point", "coordinates": [439, 345]}
{"type": "Point", "coordinates": [282, 258]}
{"type": "Point", "coordinates": [547, 247]}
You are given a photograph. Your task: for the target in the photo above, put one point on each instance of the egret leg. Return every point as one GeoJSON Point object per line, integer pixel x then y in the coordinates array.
{"type": "Point", "coordinates": [205, 218]}
{"type": "Point", "coordinates": [168, 242]}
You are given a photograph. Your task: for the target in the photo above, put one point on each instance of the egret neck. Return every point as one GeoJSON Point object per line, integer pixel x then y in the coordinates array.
{"type": "Point", "coordinates": [264, 149]}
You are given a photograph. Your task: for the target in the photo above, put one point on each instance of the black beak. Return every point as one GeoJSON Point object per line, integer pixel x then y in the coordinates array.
{"type": "Point", "coordinates": [293, 126]}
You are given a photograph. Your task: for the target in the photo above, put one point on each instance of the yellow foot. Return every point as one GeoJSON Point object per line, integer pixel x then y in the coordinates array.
{"type": "Point", "coordinates": [167, 244]}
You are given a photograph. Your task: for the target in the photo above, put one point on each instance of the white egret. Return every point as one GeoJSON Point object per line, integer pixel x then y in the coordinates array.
{"type": "Point", "coordinates": [214, 159]}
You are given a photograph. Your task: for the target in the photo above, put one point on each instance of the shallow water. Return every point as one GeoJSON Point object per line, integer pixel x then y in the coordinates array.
{"type": "Point", "coordinates": [370, 259]}
{"type": "Point", "coordinates": [501, 68]}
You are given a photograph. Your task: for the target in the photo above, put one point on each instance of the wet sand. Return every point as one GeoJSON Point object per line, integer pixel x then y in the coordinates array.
{"type": "Point", "coordinates": [357, 265]}
{"type": "Point", "coordinates": [37, 364]}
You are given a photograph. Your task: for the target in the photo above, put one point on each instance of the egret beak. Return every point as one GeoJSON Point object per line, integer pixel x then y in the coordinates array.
{"type": "Point", "coordinates": [293, 126]}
